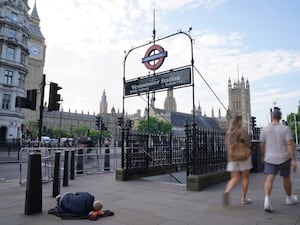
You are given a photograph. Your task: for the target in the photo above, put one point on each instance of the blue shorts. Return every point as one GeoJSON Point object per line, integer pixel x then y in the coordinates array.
{"type": "Point", "coordinates": [284, 168]}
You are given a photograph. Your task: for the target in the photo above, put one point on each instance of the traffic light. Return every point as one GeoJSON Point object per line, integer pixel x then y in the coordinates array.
{"type": "Point", "coordinates": [120, 121]}
{"type": "Point", "coordinates": [31, 99]}
{"type": "Point", "coordinates": [21, 102]}
{"type": "Point", "coordinates": [253, 122]}
{"type": "Point", "coordinates": [98, 122]}
{"type": "Point", "coordinates": [54, 98]}
{"type": "Point", "coordinates": [130, 123]}
{"type": "Point", "coordinates": [103, 127]}
{"type": "Point", "coordinates": [29, 102]}
{"type": "Point", "coordinates": [159, 127]}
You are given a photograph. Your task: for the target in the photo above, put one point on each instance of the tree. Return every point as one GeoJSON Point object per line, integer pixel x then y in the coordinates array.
{"type": "Point", "coordinates": [33, 128]}
{"type": "Point", "coordinates": [81, 131]}
{"type": "Point", "coordinates": [154, 126]}
{"type": "Point", "coordinates": [97, 134]}
{"type": "Point", "coordinates": [56, 133]}
{"type": "Point", "coordinates": [293, 120]}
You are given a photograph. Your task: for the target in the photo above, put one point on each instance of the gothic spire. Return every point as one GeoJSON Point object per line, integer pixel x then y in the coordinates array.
{"type": "Point", "coordinates": [35, 23]}
{"type": "Point", "coordinates": [34, 13]}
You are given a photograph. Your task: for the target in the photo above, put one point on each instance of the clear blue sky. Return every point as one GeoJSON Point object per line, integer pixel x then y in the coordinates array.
{"type": "Point", "coordinates": [86, 41]}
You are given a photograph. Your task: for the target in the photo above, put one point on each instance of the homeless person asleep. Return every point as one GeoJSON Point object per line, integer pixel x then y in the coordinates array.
{"type": "Point", "coordinates": [79, 205]}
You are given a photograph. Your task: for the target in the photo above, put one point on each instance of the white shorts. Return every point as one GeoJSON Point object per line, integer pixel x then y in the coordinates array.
{"type": "Point", "coordinates": [239, 165]}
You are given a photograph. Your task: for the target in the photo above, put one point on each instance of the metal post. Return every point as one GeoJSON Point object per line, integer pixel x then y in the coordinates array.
{"type": "Point", "coordinates": [296, 132]}
{"type": "Point", "coordinates": [66, 169]}
{"type": "Point", "coordinates": [106, 156]}
{"type": "Point", "coordinates": [79, 166]}
{"type": "Point", "coordinates": [72, 166]}
{"type": "Point", "coordinates": [187, 147]}
{"type": "Point", "coordinates": [33, 200]}
{"type": "Point", "coordinates": [56, 176]}
{"type": "Point", "coordinates": [42, 88]}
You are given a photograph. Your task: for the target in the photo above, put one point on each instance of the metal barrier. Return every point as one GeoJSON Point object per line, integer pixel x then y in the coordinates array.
{"type": "Point", "coordinates": [87, 160]}
{"type": "Point", "coordinates": [150, 150]}
{"type": "Point", "coordinates": [9, 150]}
{"type": "Point", "coordinates": [207, 152]}
{"type": "Point", "coordinates": [200, 150]}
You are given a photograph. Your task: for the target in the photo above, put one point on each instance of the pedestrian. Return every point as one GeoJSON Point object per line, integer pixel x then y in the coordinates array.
{"type": "Point", "coordinates": [237, 169]}
{"type": "Point", "coordinates": [79, 203]}
{"type": "Point", "coordinates": [278, 153]}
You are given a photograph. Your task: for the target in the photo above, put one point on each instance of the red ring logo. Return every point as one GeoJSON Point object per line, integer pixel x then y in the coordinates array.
{"type": "Point", "coordinates": [160, 57]}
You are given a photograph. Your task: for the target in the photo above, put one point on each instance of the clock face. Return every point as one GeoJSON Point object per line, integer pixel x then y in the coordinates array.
{"type": "Point", "coordinates": [35, 50]}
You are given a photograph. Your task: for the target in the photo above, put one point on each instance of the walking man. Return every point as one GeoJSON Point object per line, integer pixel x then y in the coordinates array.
{"type": "Point", "coordinates": [278, 152]}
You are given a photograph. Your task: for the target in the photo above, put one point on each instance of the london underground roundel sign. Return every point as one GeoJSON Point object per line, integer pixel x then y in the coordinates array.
{"type": "Point", "coordinates": [151, 55]}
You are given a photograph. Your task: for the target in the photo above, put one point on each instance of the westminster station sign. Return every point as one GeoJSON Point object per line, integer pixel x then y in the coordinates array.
{"type": "Point", "coordinates": [164, 80]}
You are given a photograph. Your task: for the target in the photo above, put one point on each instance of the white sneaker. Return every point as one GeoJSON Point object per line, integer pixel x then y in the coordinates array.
{"type": "Point", "coordinates": [291, 200]}
{"type": "Point", "coordinates": [268, 207]}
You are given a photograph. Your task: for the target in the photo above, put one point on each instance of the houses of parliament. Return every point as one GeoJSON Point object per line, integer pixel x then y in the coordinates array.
{"type": "Point", "coordinates": [22, 60]}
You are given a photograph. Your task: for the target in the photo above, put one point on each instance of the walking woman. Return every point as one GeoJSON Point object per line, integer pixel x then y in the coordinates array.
{"type": "Point", "coordinates": [237, 169]}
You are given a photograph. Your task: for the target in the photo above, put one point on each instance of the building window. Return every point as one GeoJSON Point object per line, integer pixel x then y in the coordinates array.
{"type": "Point", "coordinates": [10, 53]}
{"type": "Point", "coordinates": [23, 58]}
{"type": "Point", "coordinates": [8, 77]}
{"type": "Point", "coordinates": [21, 80]}
{"type": "Point", "coordinates": [12, 33]}
{"type": "Point", "coordinates": [5, 101]}
{"type": "Point", "coordinates": [13, 17]}
{"type": "Point", "coordinates": [24, 39]}
{"type": "Point", "coordinates": [237, 105]}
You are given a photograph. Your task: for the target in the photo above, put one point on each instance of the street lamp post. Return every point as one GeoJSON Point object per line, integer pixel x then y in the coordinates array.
{"type": "Point", "coordinates": [296, 132]}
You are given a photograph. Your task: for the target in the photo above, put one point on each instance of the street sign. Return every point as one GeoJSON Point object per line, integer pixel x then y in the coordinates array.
{"type": "Point", "coordinates": [156, 58]}
{"type": "Point", "coordinates": [164, 80]}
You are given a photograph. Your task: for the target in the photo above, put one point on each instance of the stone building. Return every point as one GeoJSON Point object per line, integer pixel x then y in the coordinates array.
{"type": "Point", "coordinates": [14, 36]}
{"type": "Point", "coordinates": [179, 119]}
{"type": "Point", "coordinates": [36, 62]}
{"type": "Point", "coordinates": [170, 102]}
{"type": "Point", "coordinates": [67, 120]}
{"type": "Point", "coordinates": [70, 120]}
{"type": "Point", "coordinates": [239, 100]}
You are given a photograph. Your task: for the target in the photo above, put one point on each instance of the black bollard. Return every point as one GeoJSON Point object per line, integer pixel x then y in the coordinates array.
{"type": "Point", "coordinates": [56, 176]}
{"type": "Point", "coordinates": [33, 200]}
{"type": "Point", "coordinates": [72, 166]}
{"type": "Point", "coordinates": [106, 156]}
{"type": "Point", "coordinates": [79, 166]}
{"type": "Point", "coordinates": [66, 169]}
{"type": "Point", "coordinates": [82, 144]}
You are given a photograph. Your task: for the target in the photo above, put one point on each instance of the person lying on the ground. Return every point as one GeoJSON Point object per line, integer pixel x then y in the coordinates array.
{"type": "Point", "coordinates": [80, 205]}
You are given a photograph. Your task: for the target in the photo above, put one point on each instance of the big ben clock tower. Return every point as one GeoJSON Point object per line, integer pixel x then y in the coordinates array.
{"type": "Point", "coordinates": [36, 62]}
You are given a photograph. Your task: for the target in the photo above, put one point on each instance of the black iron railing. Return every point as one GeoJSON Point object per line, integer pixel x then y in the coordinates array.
{"type": "Point", "coordinates": [199, 150]}
{"type": "Point", "coordinates": [207, 151]}
{"type": "Point", "coordinates": [9, 149]}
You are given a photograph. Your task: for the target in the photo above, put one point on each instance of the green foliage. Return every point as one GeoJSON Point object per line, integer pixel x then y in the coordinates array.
{"type": "Point", "coordinates": [166, 127]}
{"type": "Point", "coordinates": [77, 132]}
{"type": "Point", "coordinates": [153, 127]}
{"type": "Point", "coordinates": [57, 133]}
{"type": "Point", "coordinates": [97, 134]}
{"type": "Point", "coordinates": [293, 120]}
{"type": "Point", "coordinates": [33, 128]}
{"type": "Point", "coordinates": [81, 131]}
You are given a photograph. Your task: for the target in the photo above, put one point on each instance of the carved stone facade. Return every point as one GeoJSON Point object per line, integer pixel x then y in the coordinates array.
{"type": "Point", "coordinates": [36, 62]}
{"type": "Point", "coordinates": [14, 35]}
{"type": "Point", "coordinates": [239, 99]}
{"type": "Point", "coordinates": [170, 102]}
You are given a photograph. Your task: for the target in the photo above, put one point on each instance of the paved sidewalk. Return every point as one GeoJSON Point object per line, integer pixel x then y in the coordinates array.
{"type": "Point", "coordinates": [144, 202]}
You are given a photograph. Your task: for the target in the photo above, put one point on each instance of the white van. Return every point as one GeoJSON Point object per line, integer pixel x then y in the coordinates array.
{"type": "Point", "coordinates": [45, 139]}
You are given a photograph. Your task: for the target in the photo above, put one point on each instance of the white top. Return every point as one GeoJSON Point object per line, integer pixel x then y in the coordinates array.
{"type": "Point", "coordinates": [276, 137]}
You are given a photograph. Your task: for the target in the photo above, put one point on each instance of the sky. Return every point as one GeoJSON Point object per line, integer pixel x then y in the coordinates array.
{"type": "Point", "coordinates": [87, 41]}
